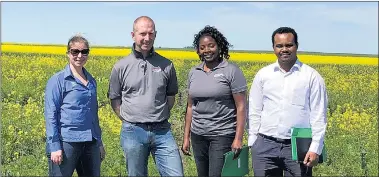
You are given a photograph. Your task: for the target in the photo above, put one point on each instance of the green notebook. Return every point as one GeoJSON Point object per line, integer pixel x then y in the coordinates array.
{"type": "Point", "coordinates": [238, 166]}
{"type": "Point", "coordinates": [301, 139]}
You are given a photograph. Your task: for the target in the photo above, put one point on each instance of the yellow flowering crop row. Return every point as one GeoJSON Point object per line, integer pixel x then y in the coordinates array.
{"type": "Point", "coordinates": [177, 54]}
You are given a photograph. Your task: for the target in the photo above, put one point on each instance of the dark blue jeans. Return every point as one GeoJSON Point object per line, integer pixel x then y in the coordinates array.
{"type": "Point", "coordinates": [273, 158]}
{"type": "Point", "coordinates": [209, 153]}
{"type": "Point", "coordinates": [88, 153]}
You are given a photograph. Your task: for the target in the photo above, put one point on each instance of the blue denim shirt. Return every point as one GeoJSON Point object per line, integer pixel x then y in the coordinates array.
{"type": "Point", "coordinates": [71, 110]}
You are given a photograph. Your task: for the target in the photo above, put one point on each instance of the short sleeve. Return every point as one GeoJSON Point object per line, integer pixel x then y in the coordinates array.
{"type": "Point", "coordinates": [172, 86]}
{"type": "Point", "coordinates": [189, 79]}
{"type": "Point", "coordinates": [238, 80]}
{"type": "Point", "coordinates": [114, 90]}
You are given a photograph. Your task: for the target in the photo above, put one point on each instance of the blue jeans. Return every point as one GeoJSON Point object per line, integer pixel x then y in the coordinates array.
{"type": "Point", "coordinates": [86, 152]}
{"type": "Point", "coordinates": [139, 140]}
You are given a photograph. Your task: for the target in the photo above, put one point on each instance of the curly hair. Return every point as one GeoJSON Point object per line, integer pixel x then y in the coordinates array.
{"type": "Point", "coordinates": [220, 39]}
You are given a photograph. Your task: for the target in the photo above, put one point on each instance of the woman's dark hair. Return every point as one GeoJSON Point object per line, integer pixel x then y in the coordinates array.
{"type": "Point", "coordinates": [221, 41]}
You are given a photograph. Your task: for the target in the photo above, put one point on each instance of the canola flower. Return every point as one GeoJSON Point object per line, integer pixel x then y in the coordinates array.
{"type": "Point", "coordinates": [351, 119]}
{"type": "Point", "coordinates": [352, 112]}
{"type": "Point", "coordinates": [184, 54]}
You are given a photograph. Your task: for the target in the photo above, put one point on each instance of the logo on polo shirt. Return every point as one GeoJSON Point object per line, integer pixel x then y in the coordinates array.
{"type": "Point", "coordinates": [157, 69]}
{"type": "Point", "coordinates": [218, 75]}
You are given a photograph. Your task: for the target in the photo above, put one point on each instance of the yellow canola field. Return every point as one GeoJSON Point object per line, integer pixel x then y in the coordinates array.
{"type": "Point", "coordinates": [177, 54]}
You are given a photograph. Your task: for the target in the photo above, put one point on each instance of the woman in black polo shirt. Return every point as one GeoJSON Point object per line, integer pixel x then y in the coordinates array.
{"type": "Point", "coordinates": [216, 108]}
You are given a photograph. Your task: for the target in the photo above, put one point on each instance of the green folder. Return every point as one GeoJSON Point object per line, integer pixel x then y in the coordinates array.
{"type": "Point", "coordinates": [238, 166]}
{"type": "Point", "coordinates": [301, 139]}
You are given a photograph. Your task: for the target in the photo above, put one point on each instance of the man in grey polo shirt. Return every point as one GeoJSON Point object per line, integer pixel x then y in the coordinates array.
{"type": "Point", "coordinates": [142, 91]}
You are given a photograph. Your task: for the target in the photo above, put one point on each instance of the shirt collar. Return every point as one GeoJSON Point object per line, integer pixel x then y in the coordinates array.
{"type": "Point", "coordinates": [223, 64]}
{"type": "Point", "coordinates": [297, 65]}
{"type": "Point", "coordinates": [139, 54]}
{"type": "Point", "coordinates": [67, 72]}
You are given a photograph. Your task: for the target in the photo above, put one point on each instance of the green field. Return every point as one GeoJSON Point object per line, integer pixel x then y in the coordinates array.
{"type": "Point", "coordinates": [352, 115]}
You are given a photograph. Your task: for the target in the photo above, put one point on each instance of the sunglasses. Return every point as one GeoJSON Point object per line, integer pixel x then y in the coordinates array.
{"type": "Point", "coordinates": [76, 51]}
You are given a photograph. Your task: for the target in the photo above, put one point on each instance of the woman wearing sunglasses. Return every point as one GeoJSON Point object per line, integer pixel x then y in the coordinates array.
{"type": "Point", "coordinates": [71, 114]}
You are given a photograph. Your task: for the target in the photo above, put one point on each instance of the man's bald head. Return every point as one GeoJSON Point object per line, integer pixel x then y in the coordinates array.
{"type": "Point", "coordinates": [142, 19]}
{"type": "Point", "coordinates": [143, 34]}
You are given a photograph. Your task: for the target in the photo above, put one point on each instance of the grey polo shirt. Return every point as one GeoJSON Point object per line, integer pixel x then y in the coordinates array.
{"type": "Point", "coordinates": [143, 86]}
{"type": "Point", "coordinates": [213, 111]}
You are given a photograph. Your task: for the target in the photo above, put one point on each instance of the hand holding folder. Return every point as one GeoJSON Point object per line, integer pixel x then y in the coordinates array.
{"type": "Point", "coordinates": [301, 139]}
{"type": "Point", "coordinates": [236, 165]}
